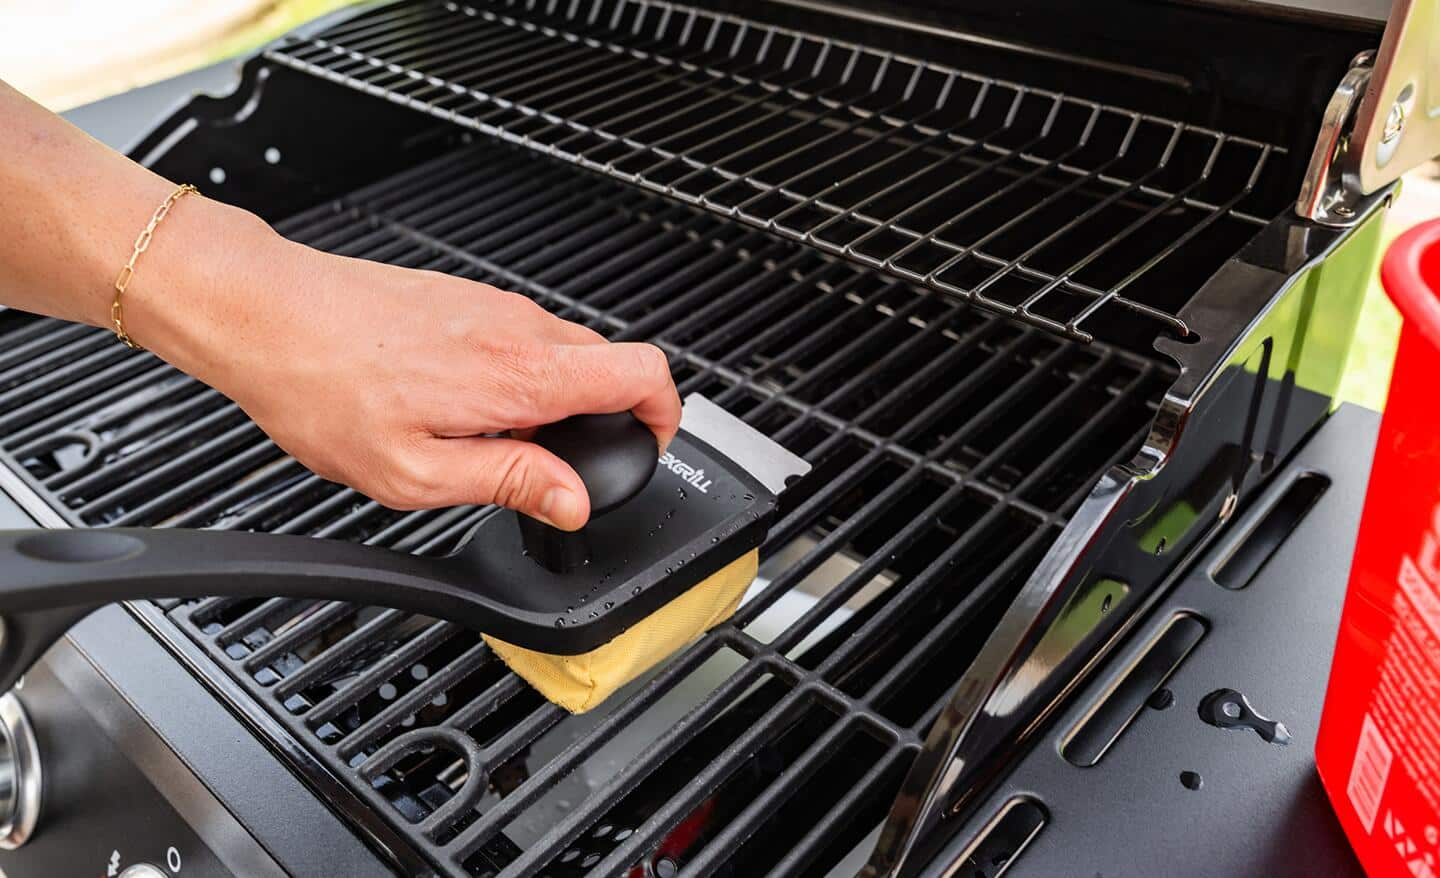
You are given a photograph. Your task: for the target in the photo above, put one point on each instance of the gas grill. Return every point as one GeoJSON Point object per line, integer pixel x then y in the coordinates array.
{"type": "Point", "coordinates": [1042, 320]}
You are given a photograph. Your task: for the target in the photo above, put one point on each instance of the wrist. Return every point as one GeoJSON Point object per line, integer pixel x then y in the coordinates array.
{"type": "Point", "coordinates": [201, 283]}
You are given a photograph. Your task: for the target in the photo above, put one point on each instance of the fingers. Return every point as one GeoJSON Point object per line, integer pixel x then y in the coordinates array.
{"type": "Point", "coordinates": [602, 378]}
{"type": "Point", "coordinates": [507, 472]}
{"type": "Point", "coordinates": [563, 331]}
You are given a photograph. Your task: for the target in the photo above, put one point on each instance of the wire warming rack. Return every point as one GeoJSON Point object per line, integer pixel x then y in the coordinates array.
{"type": "Point", "coordinates": [1042, 206]}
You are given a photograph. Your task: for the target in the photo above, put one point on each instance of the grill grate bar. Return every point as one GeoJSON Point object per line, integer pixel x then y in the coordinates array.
{"type": "Point", "coordinates": [364, 509]}
{"type": "Point", "coordinates": [498, 694]}
{"type": "Point", "coordinates": [200, 406]}
{"type": "Point", "coordinates": [282, 471]}
{"type": "Point", "coordinates": [903, 353]}
{"type": "Point", "coordinates": [158, 478]}
{"type": "Point", "coordinates": [257, 456]}
{"type": "Point", "coordinates": [73, 362]}
{"type": "Point", "coordinates": [450, 536]}
{"type": "Point", "coordinates": [736, 284]}
{"type": "Point", "coordinates": [344, 650]}
{"type": "Point", "coordinates": [614, 723]}
{"type": "Point", "coordinates": [520, 734]}
{"type": "Point", "coordinates": [209, 608]}
{"type": "Point", "coordinates": [330, 614]}
{"type": "Point", "coordinates": [103, 480]}
{"type": "Point", "coordinates": [321, 511]}
{"type": "Point", "coordinates": [985, 592]}
{"type": "Point", "coordinates": [38, 351]}
{"type": "Point", "coordinates": [665, 745]}
{"type": "Point", "coordinates": [783, 788]}
{"type": "Point", "coordinates": [405, 538]}
{"type": "Point", "coordinates": [1034, 422]}
{"type": "Point", "coordinates": [127, 396]}
{"type": "Point", "coordinates": [406, 705]}
{"type": "Point", "coordinates": [804, 851]}
{"type": "Point", "coordinates": [935, 368]}
{"type": "Point", "coordinates": [20, 341]}
{"type": "Point", "coordinates": [808, 689]}
{"type": "Point", "coordinates": [59, 386]}
{"type": "Point", "coordinates": [254, 618]}
{"type": "Point", "coordinates": [930, 577]}
{"type": "Point", "coordinates": [413, 649]}
{"type": "Point", "coordinates": [843, 591]}
{"type": "Point", "coordinates": [653, 830]}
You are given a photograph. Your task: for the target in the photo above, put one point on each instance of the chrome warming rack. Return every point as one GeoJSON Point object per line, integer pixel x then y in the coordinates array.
{"type": "Point", "coordinates": [1045, 207]}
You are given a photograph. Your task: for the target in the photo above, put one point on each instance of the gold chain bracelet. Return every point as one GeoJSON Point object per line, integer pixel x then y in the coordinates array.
{"type": "Point", "coordinates": [117, 311]}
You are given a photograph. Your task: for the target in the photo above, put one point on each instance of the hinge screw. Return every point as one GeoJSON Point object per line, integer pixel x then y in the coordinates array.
{"type": "Point", "coordinates": [1394, 123]}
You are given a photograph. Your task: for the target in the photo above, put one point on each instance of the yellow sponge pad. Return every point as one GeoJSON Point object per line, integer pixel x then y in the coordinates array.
{"type": "Point", "coordinates": [581, 682]}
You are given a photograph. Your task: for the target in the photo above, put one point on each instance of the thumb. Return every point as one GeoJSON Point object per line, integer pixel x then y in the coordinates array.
{"type": "Point", "coordinates": [512, 473]}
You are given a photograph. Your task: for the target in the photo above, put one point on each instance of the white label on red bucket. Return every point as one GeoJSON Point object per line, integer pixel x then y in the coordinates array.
{"type": "Point", "coordinates": [1369, 772]}
{"type": "Point", "coordinates": [1421, 594]}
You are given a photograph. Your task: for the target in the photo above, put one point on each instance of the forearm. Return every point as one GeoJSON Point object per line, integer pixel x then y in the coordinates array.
{"type": "Point", "coordinates": [72, 208]}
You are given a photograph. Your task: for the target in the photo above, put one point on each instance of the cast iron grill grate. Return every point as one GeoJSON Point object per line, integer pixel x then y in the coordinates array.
{"type": "Point", "coordinates": [1047, 207]}
{"type": "Point", "coordinates": [948, 447]}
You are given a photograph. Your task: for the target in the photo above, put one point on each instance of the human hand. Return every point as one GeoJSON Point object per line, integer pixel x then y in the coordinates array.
{"type": "Point", "coordinates": [393, 381]}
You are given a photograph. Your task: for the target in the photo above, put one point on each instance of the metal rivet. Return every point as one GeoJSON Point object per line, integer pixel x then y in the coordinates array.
{"type": "Point", "coordinates": [1394, 123]}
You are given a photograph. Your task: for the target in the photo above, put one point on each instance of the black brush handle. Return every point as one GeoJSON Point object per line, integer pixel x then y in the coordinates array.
{"type": "Point", "coordinates": [614, 455]}
{"type": "Point", "coordinates": [53, 578]}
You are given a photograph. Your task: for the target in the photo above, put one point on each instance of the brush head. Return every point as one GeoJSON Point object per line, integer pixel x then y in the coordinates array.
{"type": "Point", "coordinates": [697, 510]}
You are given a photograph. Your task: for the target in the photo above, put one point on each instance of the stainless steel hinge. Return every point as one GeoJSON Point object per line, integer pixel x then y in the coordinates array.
{"type": "Point", "coordinates": [1382, 121]}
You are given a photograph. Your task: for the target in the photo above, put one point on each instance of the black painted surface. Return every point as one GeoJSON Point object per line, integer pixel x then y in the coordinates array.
{"type": "Point", "coordinates": [97, 803]}
{"type": "Point", "coordinates": [1256, 808]}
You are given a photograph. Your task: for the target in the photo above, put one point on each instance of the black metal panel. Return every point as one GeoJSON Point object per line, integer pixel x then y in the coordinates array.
{"type": "Point", "coordinates": [1260, 809]}
{"type": "Point", "coordinates": [251, 149]}
{"type": "Point", "coordinates": [949, 448]}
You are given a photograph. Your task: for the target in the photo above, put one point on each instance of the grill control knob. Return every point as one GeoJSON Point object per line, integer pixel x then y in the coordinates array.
{"type": "Point", "coordinates": [20, 781]}
{"type": "Point", "coordinates": [143, 870]}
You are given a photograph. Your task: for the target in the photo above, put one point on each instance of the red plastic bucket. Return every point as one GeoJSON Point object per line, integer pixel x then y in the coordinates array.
{"type": "Point", "coordinates": [1378, 750]}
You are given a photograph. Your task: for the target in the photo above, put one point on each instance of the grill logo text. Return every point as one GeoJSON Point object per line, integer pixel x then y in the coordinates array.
{"type": "Point", "coordinates": [687, 473]}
